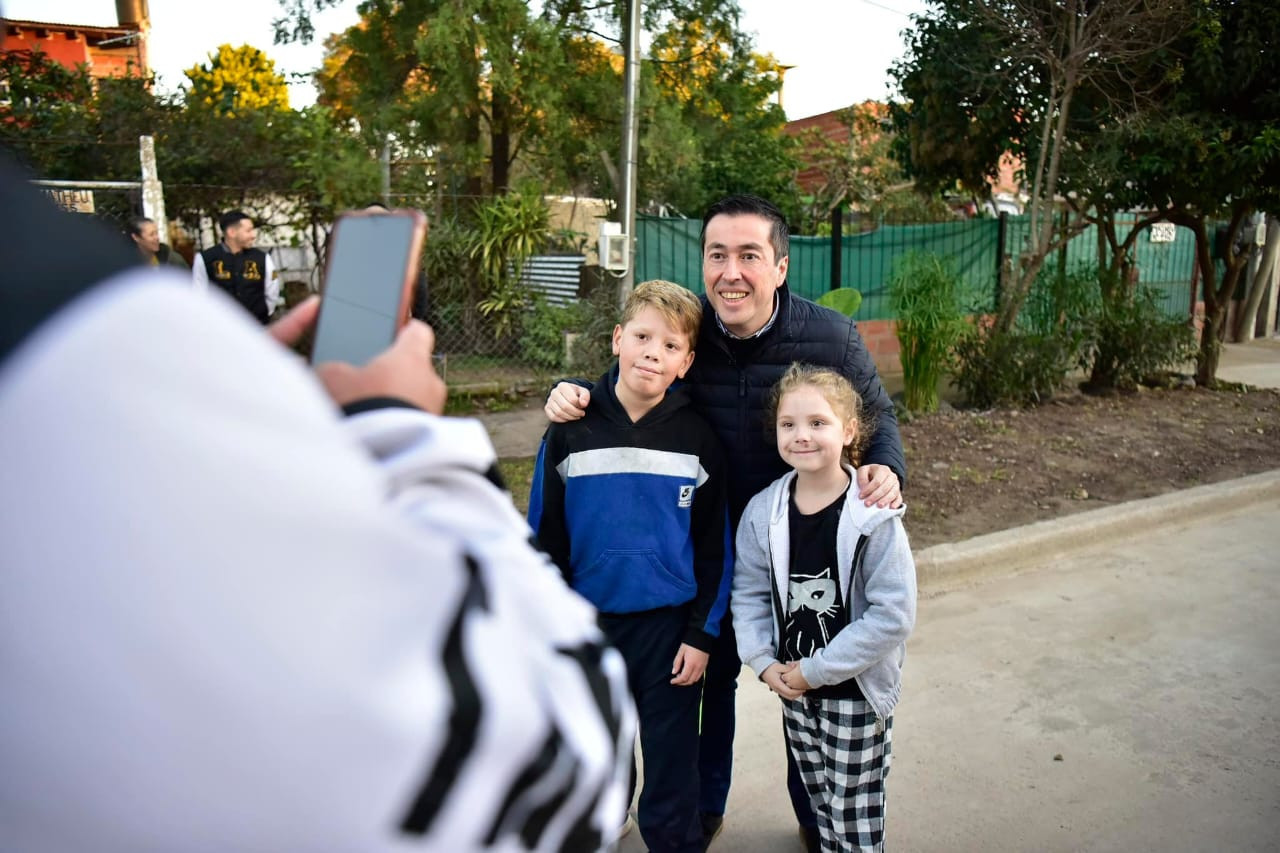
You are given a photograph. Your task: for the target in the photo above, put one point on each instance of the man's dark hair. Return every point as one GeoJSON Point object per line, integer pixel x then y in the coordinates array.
{"type": "Point", "coordinates": [231, 217]}
{"type": "Point", "coordinates": [376, 204]}
{"type": "Point", "coordinates": [739, 205]}
{"type": "Point", "coordinates": [136, 223]}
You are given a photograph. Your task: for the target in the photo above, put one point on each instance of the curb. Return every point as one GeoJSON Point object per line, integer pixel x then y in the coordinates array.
{"type": "Point", "coordinates": [951, 565]}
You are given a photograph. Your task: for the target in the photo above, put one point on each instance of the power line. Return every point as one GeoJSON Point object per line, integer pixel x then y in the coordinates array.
{"type": "Point", "coordinates": [886, 8]}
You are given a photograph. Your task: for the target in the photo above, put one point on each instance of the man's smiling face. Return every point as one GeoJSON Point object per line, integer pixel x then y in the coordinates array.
{"type": "Point", "coordinates": [740, 272]}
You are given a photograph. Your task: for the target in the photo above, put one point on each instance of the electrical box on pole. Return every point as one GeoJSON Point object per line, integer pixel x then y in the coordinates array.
{"type": "Point", "coordinates": [613, 247]}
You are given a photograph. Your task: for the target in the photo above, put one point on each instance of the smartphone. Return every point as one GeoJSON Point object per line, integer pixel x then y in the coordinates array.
{"type": "Point", "coordinates": [367, 293]}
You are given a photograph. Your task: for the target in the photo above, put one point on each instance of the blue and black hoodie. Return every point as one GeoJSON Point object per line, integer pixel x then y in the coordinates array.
{"type": "Point", "coordinates": [634, 513]}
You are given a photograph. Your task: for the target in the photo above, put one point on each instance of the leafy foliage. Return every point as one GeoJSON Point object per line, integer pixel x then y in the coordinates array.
{"type": "Point", "coordinates": [1210, 148]}
{"type": "Point", "coordinates": [846, 300]}
{"type": "Point", "coordinates": [236, 79]}
{"type": "Point", "coordinates": [508, 230]}
{"type": "Point", "coordinates": [1038, 80]}
{"type": "Point", "coordinates": [1010, 368]}
{"type": "Point", "coordinates": [1133, 340]}
{"type": "Point", "coordinates": [598, 313]}
{"type": "Point", "coordinates": [493, 94]}
{"type": "Point", "coordinates": [925, 294]}
{"type": "Point", "coordinates": [542, 334]}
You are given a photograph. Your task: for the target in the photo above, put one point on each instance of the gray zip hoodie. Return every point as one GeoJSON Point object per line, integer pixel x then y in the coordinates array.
{"type": "Point", "coordinates": [877, 581]}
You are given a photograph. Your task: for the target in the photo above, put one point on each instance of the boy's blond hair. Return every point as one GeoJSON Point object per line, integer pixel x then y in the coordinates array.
{"type": "Point", "coordinates": [680, 308]}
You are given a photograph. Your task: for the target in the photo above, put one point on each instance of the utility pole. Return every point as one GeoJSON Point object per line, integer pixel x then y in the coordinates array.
{"type": "Point", "coordinates": [630, 142]}
{"type": "Point", "coordinates": [152, 190]}
{"type": "Point", "coordinates": [385, 163]}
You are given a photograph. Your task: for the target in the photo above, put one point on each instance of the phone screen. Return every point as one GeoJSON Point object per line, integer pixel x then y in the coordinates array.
{"type": "Point", "coordinates": [364, 288]}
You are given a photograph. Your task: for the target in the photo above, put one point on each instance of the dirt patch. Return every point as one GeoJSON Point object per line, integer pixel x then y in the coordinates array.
{"type": "Point", "coordinates": [975, 472]}
{"type": "Point", "coordinates": [971, 473]}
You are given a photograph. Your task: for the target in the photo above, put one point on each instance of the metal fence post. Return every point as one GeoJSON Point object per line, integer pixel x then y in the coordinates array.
{"type": "Point", "coordinates": [1000, 248]}
{"type": "Point", "coordinates": [837, 243]}
{"type": "Point", "coordinates": [152, 191]}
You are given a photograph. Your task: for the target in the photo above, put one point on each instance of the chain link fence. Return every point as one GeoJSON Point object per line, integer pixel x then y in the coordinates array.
{"type": "Point", "coordinates": [551, 313]}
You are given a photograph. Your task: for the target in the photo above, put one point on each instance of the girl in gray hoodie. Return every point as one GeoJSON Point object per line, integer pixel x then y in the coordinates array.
{"type": "Point", "coordinates": [824, 596]}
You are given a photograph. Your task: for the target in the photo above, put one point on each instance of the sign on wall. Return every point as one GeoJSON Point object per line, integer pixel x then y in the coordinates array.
{"type": "Point", "coordinates": [72, 201]}
{"type": "Point", "coordinates": [1163, 232]}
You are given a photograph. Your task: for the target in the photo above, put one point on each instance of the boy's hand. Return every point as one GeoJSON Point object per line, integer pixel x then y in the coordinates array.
{"type": "Point", "coordinates": [877, 484]}
{"type": "Point", "coordinates": [794, 678]}
{"type": "Point", "coordinates": [772, 676]}
{"type": "Point", "coordinates": [689, 665]}
{"type": "Point", "coordinates": [566, 402]}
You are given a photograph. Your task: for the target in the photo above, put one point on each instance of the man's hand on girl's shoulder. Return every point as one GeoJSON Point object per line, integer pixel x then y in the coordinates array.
{"type": "Point", "coordinates": [878, 485]}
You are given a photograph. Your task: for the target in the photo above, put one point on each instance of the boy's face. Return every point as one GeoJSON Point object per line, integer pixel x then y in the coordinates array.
{"type": "Point", "coordinates": [651, 354]}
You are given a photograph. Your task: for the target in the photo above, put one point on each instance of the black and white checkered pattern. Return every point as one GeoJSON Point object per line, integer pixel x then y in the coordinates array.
{"type": "Point", "coordinates": [843, 753]}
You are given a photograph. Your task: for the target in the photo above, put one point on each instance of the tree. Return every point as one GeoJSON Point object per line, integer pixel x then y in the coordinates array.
{"type": "Point", "coordinates": [1210, 147]}
{"type": "Point", "coordinates": [988, 76]}
{"type": "Point", "coordinates": [1260, 280]}
{"type": "Point", "coordinates": [712, 128]}
{"type": "Point", "coordinates": [496, 93]}
{"type": "Point", "coordinates": [471, 79]}
{"type": "Point", "coordinates": [45, 118]}
{"type": "Point", "coordinates": [237, 79]}
{"type": "Point", "coordinates": [858, 168]}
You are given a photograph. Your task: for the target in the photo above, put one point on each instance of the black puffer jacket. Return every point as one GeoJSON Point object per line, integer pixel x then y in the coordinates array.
{"type": "Point", "coordinates": [730, 381]}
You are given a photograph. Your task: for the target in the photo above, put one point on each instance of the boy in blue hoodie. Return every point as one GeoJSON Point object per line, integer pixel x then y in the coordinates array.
{"type": "Point", "coordinates": [629, 501]}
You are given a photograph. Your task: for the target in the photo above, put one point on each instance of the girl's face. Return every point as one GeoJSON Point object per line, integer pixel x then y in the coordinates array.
{"type": "Point", "coordinates": [811, 436]}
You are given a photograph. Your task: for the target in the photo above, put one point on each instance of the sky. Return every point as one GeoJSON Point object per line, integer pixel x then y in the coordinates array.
{"type": "Point", "coordinates": [840, 49]}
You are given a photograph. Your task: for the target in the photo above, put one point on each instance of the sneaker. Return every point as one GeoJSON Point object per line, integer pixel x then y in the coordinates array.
{"type": "Point", "coordinates": [711, 826]}
{"type": "Point", "coordinates": [810, 840]}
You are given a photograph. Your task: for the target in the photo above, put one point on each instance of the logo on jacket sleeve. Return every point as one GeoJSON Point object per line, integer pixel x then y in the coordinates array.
{"type": "Point", "coordinates": [686, 496]}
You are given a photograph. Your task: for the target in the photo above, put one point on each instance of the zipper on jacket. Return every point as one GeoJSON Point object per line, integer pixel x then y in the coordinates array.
{"type": "Point", "coordinates": [879, 729]}
{"type": "Point", "coordinates": [742, 383]}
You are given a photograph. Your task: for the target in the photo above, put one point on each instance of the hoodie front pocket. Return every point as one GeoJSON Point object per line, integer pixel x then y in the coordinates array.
{"type": "Point", "coordinates": [631, 580]}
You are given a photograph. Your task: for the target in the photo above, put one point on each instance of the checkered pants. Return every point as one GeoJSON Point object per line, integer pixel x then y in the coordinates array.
{"type": "Point", "coordinates": [843, 755]}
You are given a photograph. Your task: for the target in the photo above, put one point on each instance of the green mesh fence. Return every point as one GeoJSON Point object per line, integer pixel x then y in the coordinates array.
{"type": "Point", "coordinates": [671, 249]}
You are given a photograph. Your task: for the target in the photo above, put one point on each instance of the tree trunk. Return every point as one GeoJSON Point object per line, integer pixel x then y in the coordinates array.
{"type": "Point", "coordinates": [1210, 346]}
{"type": "Point", "coordinates": [1248, 316]}
{"type": "Point", "coordinates": [500, 143]}
{"type": "Point", "coordinates": [1043, 209]}
{"type": "Point", "coordinates": [1216, 299]}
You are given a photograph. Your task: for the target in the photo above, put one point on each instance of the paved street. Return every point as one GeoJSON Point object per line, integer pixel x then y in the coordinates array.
{"type": "Point", "coordinates": [1152, 668]}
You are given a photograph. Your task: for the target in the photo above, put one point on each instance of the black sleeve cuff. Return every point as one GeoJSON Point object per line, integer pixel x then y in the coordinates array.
{"type": "Point", "coordinates": [370, 404]}
{"type": "Point", "coordinates": [699, 639]}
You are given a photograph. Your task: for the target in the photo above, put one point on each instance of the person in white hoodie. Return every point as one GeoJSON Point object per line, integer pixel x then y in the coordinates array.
{"type": "Point", "coordinates": [824, 596]}
{"type": "Point", "coordinates": [247, 610]}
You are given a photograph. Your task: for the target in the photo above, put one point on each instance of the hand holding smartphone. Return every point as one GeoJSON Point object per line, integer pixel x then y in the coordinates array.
{"type": "Point", "coordinates": [372, 269]}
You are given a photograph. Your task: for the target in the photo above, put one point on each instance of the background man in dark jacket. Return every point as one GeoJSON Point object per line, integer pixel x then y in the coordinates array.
{"type": "Point", "coordinates": [237, 268]}
{"type": "Point", "coordinates": [756, 329]}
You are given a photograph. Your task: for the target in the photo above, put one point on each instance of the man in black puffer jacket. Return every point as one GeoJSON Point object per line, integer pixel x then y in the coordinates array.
{"type": "Point", "coordinates": [755, 330]}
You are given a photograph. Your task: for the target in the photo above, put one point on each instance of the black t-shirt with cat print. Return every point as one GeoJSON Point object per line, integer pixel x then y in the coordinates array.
{"type": "Point", "coordinates": [815, 607]}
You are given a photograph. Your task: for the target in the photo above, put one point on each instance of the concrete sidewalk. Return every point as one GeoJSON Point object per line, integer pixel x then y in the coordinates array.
{"type": "Point", "coordinates": [1255, 363]}
{"type": "Point", "coordinates": [1123, 697]}
{"type": "Point", "coordinates": [1149, 667]}
{"type": "Point", "coordinates": [1105, 681]}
